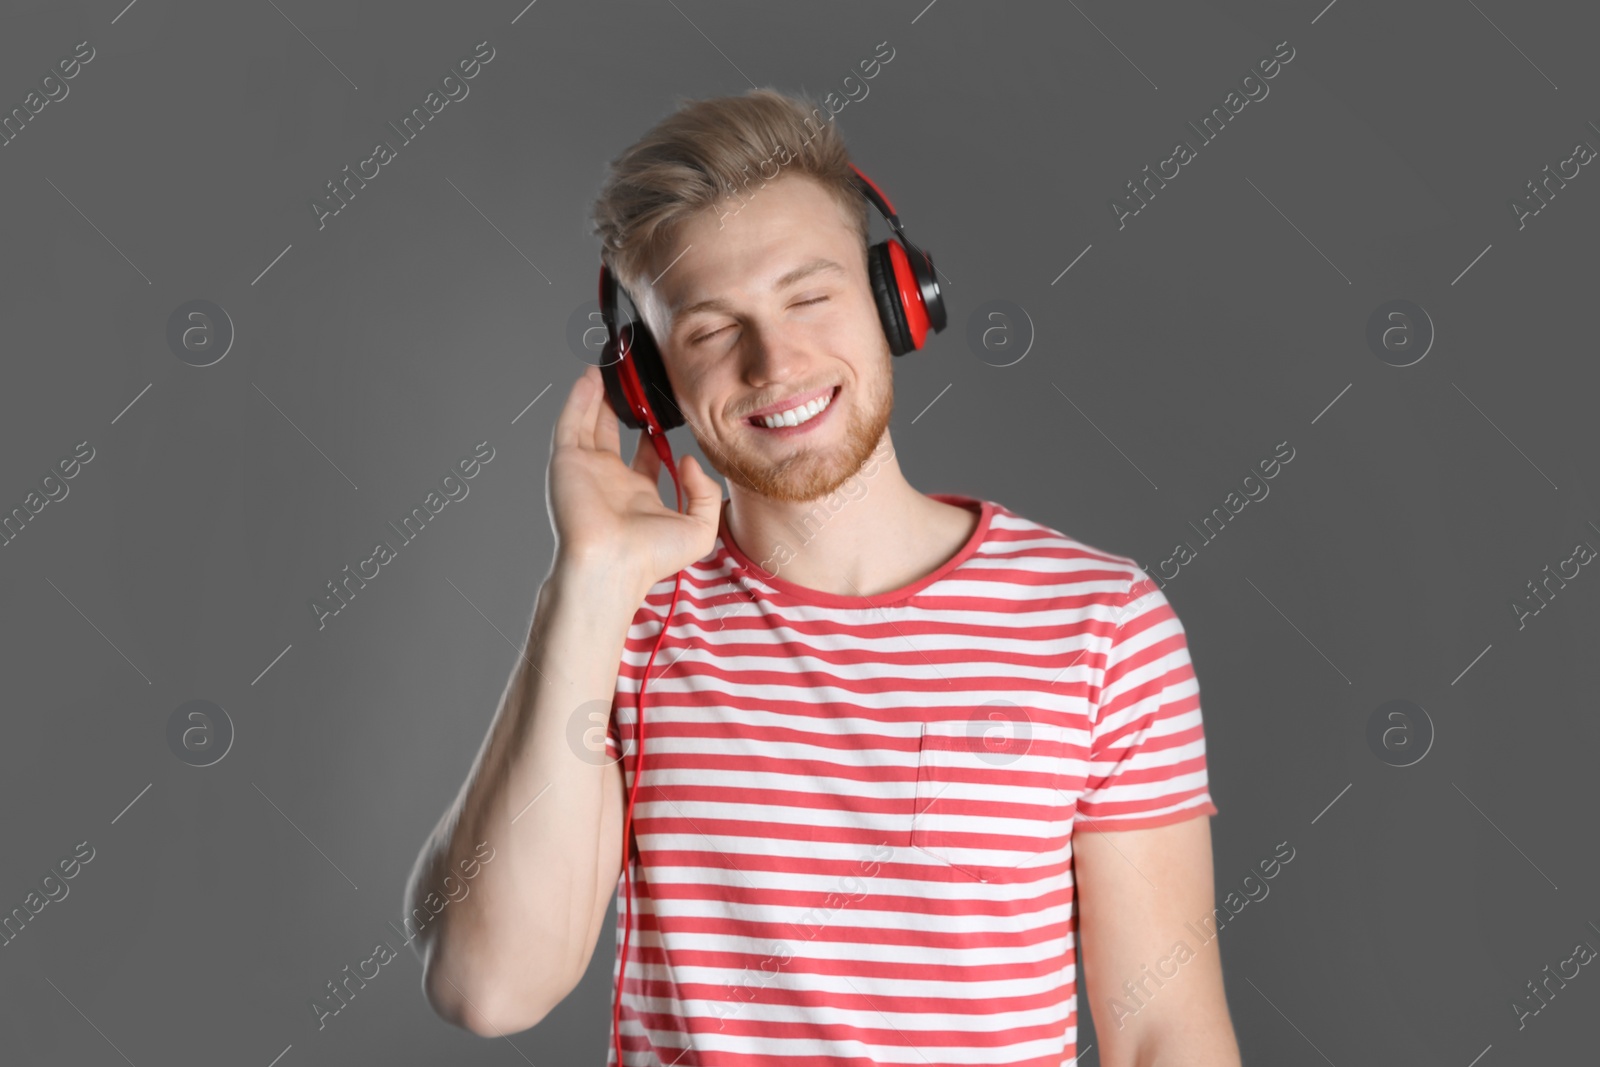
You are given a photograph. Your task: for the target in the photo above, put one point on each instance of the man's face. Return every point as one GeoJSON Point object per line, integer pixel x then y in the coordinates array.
{"type": "Point", "coordinates": [744, 327]}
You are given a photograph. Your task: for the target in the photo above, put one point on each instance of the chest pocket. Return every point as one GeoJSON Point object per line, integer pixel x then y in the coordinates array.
{"type": "Point", "coordinates": [991, 808]}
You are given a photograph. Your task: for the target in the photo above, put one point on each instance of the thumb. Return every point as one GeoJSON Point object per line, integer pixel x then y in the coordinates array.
{"type": "Point", "coordinates": [705, 495]}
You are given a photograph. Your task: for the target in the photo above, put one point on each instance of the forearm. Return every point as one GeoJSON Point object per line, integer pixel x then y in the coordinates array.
{"type": "Point", "coordinates": [508, 949]}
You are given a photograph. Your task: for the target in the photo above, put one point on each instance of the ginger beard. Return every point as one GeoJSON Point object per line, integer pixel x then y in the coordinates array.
{"type": "Point", "coordinates": [807, 471]}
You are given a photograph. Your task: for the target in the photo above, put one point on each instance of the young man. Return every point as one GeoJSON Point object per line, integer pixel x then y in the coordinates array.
{"type": "Point", "coordinates": [882, 724]}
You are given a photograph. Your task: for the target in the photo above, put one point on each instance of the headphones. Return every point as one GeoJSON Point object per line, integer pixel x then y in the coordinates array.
{"type": "Point", "coordinates": [906, 290]}
{"type": "Point", "coordinates": [904, 286]}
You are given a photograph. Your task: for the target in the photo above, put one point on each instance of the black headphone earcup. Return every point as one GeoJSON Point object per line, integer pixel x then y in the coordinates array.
{"type": "Point", "coordinates": [611, 375]}
{"type": "Point", "coordinates": [652, 371]}
{"type": "Point", "coordinates": [880, 272]}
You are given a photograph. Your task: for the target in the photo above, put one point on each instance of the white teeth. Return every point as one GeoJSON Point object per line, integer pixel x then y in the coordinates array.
{"type": "Point", "coordinates": [796, 415]}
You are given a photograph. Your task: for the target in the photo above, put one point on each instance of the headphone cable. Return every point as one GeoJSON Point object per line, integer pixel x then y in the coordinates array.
{"type": "Point", "coordinates": [664, 450]}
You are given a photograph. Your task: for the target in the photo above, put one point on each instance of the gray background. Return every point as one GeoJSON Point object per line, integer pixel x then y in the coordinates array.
{"type": "Point", "coordinates": [1174, 354]}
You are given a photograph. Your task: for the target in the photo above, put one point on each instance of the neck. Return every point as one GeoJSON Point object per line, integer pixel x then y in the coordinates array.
{"type": "Point", "coordinates": [873, 534]}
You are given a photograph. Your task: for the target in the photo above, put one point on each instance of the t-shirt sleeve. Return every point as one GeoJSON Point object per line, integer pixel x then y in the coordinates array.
{"type": "Point", "coordinates": [1147, 749]}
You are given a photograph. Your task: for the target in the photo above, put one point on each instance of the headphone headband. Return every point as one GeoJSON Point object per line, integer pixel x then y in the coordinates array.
{"type": "Point", "coordinates": [921, 263]}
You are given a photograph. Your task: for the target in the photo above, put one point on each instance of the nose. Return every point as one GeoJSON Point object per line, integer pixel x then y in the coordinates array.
{"type": "Point", "coordinates": [771, 358]}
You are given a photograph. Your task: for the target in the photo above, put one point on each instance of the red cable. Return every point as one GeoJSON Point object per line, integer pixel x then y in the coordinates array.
{"type": "Point", "coordinates": [664, 450]}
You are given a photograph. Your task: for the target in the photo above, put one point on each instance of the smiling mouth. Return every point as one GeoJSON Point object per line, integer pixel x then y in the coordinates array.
{"type": "Point", "coordinates": [799, 415]}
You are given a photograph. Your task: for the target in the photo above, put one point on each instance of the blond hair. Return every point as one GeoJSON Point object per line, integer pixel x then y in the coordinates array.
{"type": "Point", "coordinates": [708, 150]}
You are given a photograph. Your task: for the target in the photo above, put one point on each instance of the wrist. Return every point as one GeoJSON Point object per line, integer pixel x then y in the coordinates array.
{"type": "Point", "coordinates": [597, 587]}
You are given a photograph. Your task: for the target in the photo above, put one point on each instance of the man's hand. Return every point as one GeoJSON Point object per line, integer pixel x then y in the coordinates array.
{"type": "Point", "coordinates": [608, 515]}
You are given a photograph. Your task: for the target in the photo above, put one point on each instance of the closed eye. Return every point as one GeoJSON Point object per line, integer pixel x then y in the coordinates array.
{"type": "Point", "coordinates": [713, 333]}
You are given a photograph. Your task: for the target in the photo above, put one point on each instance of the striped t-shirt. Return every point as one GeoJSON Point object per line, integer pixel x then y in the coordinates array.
{"type": "Point", "coordinates": [854, 832]}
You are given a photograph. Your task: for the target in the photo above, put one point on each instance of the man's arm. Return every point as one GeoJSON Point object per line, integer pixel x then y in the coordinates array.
{"type": "Point", "coordinates": [516, 942]}
{"type": "Point", "coordinates": [1154, 987]}
{"type": "Point", "coordinates": [496, 960]}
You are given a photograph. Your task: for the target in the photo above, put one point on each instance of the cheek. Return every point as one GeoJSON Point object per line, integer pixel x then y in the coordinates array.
{"type": "Point", "coordinates": [855, 336]}
{"type": "Point", "coordinates": [687, 379]}
{"type": "Point", "coordinates": [700, 392]}
{"type": "Point", "coordinates": [870, 345]}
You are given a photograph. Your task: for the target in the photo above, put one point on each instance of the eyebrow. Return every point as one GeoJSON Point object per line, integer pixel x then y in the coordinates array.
{"type": "Point", "coordinates": [800, 273]}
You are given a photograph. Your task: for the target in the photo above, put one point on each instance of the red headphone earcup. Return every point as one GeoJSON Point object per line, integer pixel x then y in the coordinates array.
{"type": "Point", "coordinates": [912, 295]}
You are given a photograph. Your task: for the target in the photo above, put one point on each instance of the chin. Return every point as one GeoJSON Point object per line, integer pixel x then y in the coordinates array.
{"type": "Point", "coordinates": [812, 472]}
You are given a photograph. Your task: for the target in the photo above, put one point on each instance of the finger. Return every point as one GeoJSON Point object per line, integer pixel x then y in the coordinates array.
{"type": "Point", "coordinates": [595, 399]}
{"type": "Point", "coordinates": [570, 423]}
{"type": "Point", "coordinates": [645, 460]}
{"type": "Point", "coordinates": [607, 427]}
{"type": "Point", "coordinates": [705, 495]}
